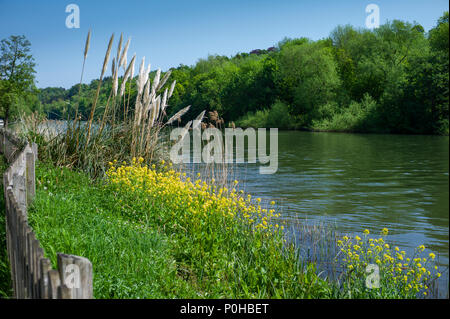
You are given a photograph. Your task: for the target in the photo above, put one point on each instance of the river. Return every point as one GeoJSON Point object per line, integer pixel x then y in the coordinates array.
{"type": "Point", "coordinates": [359, 181]}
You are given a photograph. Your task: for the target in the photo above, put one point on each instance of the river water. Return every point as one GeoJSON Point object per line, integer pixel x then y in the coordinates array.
{"type": "Point", "coordinates": [358, 181]}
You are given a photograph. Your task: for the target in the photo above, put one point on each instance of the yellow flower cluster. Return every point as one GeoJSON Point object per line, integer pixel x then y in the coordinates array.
{"type": "Point", "coordinates": [408, 275]}
{"type": "Point", "coordinates": [186, 199]}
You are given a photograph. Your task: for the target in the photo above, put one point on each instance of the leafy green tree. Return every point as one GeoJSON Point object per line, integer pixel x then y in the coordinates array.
{"type": "Point", "coordinates": [16, 72]}
{"type": "Point", "coordinates": [307, 78]}
{"type": "Point", "coordinates": [416, 97]}
{"type": "Point", "coordinates": [439, 35]}
{"type": "Point", "coordinates": [393, 79]}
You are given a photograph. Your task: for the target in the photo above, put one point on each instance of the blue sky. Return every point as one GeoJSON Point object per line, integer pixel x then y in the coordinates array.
{"type": "Point", "coordinates": [175, 32]}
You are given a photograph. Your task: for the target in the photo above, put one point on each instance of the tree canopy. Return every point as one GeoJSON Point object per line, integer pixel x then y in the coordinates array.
{"type": "Point", "coordinates": [16, 73]}
{"type": "Point", "coordinates": [393, 79]}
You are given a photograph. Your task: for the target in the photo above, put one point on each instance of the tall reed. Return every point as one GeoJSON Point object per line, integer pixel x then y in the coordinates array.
{"type": "Point", "coordinates": [90, 146]}
{"type": "Point", "coordinates": [105, 65]}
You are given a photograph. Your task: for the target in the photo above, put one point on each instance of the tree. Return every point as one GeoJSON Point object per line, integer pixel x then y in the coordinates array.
{"type": "Point", "coordinates": [16, 72]}
{"type": "Point", "coordinates": [307, 78]}
{"type": "Point", "coordinates": [439, 34]}
{"type": "Point", "coordinates": [439, 42]}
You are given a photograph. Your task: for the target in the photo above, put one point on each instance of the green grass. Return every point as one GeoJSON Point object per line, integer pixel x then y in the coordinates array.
{"type": "Point", "coordinates": [148, 247]}
{"type": "Point", "coordinates": [73, 215]}
{"type": "Point", "coordinates": [133, 258]}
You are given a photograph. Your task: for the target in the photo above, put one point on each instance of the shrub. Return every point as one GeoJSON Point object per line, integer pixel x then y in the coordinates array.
{"type": "Point", "coordinates": [256, 119]}
{"type": "Point", "coordinates": [277, 116]}
{"type": "Point", "coordinates": [357, 117]}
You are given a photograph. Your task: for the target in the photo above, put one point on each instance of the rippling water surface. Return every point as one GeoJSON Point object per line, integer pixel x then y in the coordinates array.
{"type": "Point", "coordinates": [358, 181]}
{"type": "Point", "coordinates": [363, 181]}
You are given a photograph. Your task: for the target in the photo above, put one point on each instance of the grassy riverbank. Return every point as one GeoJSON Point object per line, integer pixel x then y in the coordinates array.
{"type": "Point", "coordinates": [139, 249]}
{"type": "Point", "coordinates": [75, 215]}
{"type": "Point", "coordinates": [153, 233]}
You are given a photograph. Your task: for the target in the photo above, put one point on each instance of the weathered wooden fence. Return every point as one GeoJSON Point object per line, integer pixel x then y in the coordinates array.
{"type": "Point", "coordinates": [32, 274]}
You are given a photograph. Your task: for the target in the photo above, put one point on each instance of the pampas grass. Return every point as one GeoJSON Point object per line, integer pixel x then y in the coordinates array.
{"type": "Point", "coordinates": [178, 115]}
{"type": "Point", "coordinates": [86, 50]}
{"type": "Point", "coordinates": [123, 57]}
{"type": "Point", "coordinates": [119, 49]}
{"type": "Point", "coordinates": [164, 79]}
{"type": "Point", "coordinates": [127, 75]}
{"type": "Point", "coordinates": [90, 146]}
{"type": "Point", "coordinates": [172, 88]}
{"type": "Point", "coordinates": [105, 65]}
{"type": "Point", "coordinates": [115, 83]}
{"type": "Point", "coordinates": [108, 53]}
{"type": "Point", "coordinates": [86, 47]}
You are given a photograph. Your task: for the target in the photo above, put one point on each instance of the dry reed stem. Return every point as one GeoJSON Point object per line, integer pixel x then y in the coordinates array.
{"type": "Point", "coordinates": [105, 64]}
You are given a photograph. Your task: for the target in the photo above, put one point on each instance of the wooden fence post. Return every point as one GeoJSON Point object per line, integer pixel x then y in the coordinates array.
{"type": "Point", "coordinates": [53, 283]}
{"type": "Point", "coordinates": [44, 283]}
{"type": "Point", "coordinates": [38, 255]}
{"type": "Point", "coordinates": [30, 177]}
{"type": "Point", "coordinates": [34, 148]}
{"type": "Point", "coordinates": [20, 190]}
{"type": "Point", "coordinates": [76, 274]}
